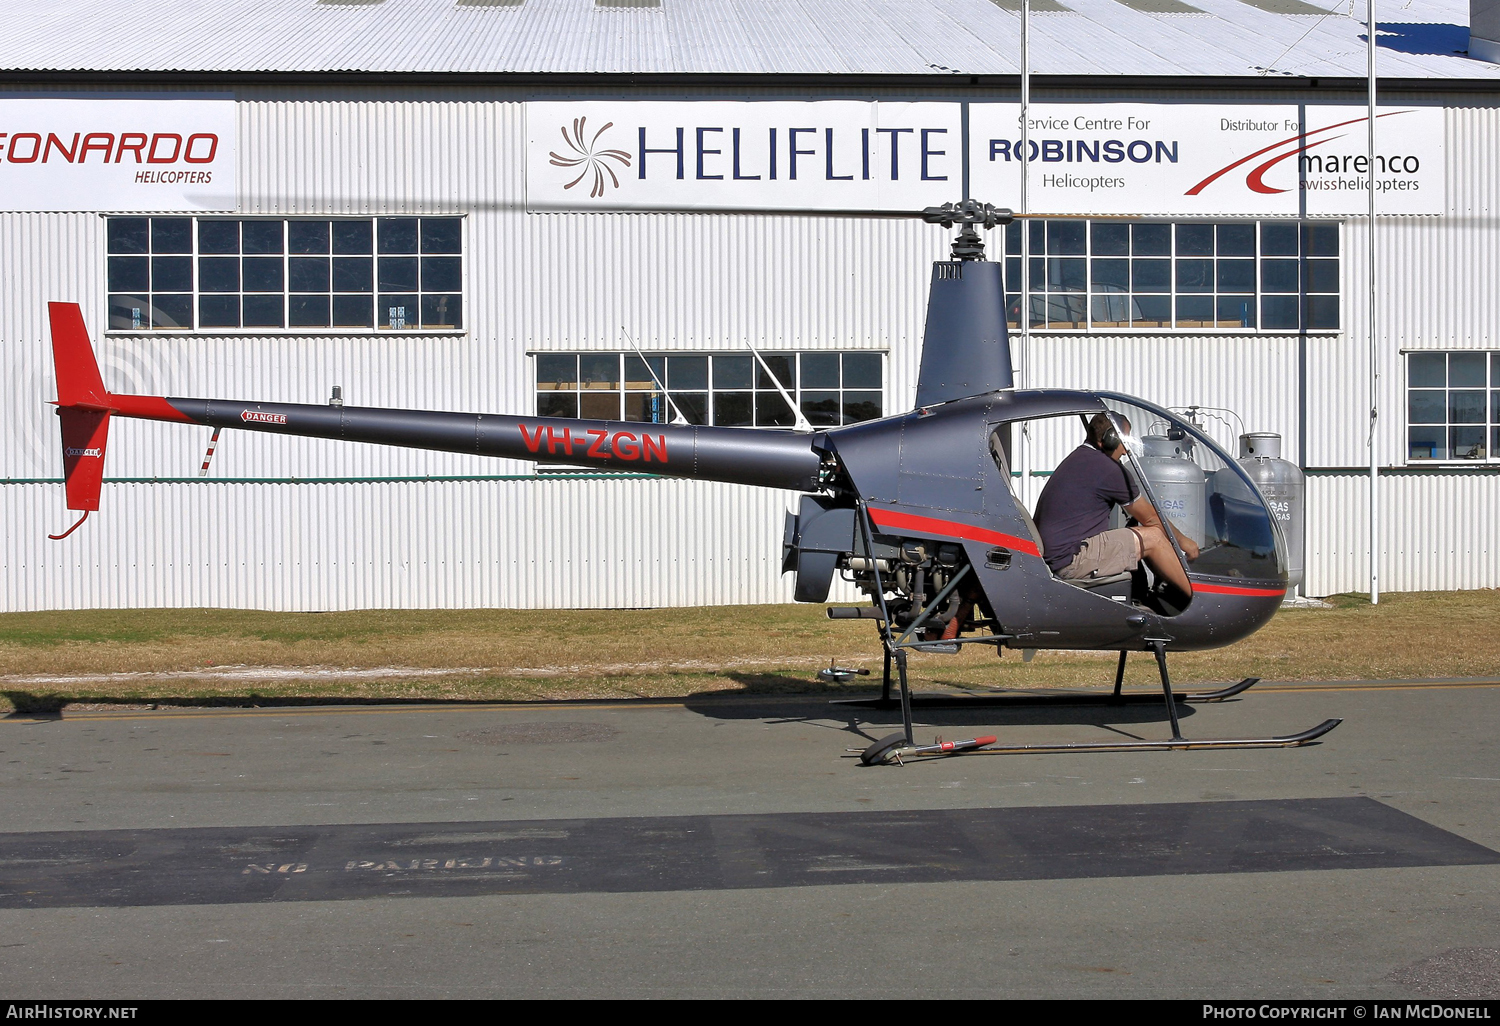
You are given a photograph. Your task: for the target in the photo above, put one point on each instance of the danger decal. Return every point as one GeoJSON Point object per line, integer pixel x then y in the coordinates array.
{"type": "Point", "coordinates": [257, 417]}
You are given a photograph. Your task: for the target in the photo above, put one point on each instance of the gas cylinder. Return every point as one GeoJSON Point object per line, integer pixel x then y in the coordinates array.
{"type": "Point", "coordinates": [1285, 491]}
{"type": "Point", "coordinates": [1177, 482]}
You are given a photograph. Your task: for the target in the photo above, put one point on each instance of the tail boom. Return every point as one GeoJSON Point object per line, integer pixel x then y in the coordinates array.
{"type": "Point", "coordinates": [736, 455]}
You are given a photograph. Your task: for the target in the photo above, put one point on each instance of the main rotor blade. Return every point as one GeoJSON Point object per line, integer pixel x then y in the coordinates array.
{"type": "Point", "coordinates": [385, 207]}
{"type": "Point", "coordinates": [405, 207]}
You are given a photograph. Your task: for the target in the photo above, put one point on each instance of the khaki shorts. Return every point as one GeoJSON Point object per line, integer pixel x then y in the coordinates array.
{"type": "Point", "coordinates": [1105, 555]}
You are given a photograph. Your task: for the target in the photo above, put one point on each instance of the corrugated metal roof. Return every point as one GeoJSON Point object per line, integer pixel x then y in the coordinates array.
{"type": "Point", "coordinates": [1426, 39]}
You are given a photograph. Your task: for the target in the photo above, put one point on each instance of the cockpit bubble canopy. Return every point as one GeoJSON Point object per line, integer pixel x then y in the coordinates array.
{"type": "Point", "coordinates": [1195, 483]}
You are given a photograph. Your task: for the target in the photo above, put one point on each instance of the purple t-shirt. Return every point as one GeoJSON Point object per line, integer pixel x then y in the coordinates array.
{"type": "Point", "coordinates": [1077, 501]}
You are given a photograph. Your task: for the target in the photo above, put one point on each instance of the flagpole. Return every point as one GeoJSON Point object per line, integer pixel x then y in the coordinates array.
{"type": "Point", "coordinates": [1023, 314]}
{"type": "Point", "coordinates": [1370, 39]}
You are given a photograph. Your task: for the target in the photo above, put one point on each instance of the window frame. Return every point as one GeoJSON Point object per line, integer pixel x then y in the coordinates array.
{"type": "Point", "coordinates": [1016, 251]}
{"type": "Point", "coordinates": [1490, 426]}
{"type": "Point", "coordinates": [286, 293]}
{"type": "Point", "coordinates": [796, 389]}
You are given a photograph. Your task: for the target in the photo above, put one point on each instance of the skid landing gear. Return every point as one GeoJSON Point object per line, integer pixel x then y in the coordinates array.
{"type": "Point", "coordinates": [1118, 697]}
{"type": "Point", "coordinates": [894, 747]}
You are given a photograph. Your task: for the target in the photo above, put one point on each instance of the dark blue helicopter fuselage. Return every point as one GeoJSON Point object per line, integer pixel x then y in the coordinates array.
{"type": "Point", "coordinates": [935, 473]}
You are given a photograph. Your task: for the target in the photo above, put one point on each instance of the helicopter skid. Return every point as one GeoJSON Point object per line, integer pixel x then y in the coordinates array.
{"type": "Point", "coordinates": [894, 749]}
{"type": "Point", "coordinates": [1171, 744]}
{"type": "Point", "coordinates": [1050, 698]}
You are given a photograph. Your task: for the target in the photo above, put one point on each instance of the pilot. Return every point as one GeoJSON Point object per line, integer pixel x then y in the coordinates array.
{"type": "Point", "coordinates": [1072, 516]}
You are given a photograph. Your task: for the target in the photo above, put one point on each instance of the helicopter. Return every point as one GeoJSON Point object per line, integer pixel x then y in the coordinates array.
{"type": "Point", "coordinates": [917, 510]}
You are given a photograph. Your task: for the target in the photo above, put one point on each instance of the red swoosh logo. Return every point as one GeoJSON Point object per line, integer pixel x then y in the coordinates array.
{"type": "Point", "coordinates": [1253, 179]}
{"type": "Point", "coordinates": [1274, 146]}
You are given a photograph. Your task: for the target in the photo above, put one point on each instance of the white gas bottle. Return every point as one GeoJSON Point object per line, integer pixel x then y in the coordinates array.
{"type": "Point", "coordinates": [1284, 487]}
{"type": "Point", "coordinates": [1177, 482]}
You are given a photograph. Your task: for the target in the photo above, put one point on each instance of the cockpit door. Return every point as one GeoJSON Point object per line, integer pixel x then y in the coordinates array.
{"type": "Point", "coordinates": [1134, 451]}
{"type": "Point", "coordinates": [1193, 481]}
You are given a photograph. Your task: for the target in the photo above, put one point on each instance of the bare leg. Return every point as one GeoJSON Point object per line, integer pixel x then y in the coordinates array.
{"type": "Point", "coordinates": [1158, 551]}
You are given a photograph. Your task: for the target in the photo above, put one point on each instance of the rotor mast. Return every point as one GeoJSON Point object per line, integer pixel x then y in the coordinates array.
{"type": "Point", "coordinates": [966, 346]}
{"type": "Point", "coordinates": [970, 215]}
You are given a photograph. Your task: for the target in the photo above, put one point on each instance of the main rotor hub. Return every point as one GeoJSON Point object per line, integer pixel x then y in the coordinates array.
{"type": "Point", "coordinates": [972, 215]}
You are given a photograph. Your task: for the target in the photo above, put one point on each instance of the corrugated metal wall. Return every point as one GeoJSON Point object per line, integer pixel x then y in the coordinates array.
{"type": "Point", "coordinates": [1435, 290]}
{"type": "Point", "coordinates": [551, 543]}
{"type": "Point", "coordinates": [1437, 532]}
{"type": "Point", "coordinates": [573, 281]}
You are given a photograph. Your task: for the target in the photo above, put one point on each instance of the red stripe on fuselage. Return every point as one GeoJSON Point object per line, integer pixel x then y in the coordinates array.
{"type": "Point", "coordinates": [950, 529]}
{"type": "Point", "coordinates": [1220, 589]}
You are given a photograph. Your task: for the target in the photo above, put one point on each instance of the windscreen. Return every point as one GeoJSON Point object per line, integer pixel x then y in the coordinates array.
{"type": "Point", "coordinates": [1203, 491]}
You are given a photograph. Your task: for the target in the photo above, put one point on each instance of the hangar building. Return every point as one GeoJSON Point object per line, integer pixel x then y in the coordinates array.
{"type": "Point", "coordinates": [549, 206]}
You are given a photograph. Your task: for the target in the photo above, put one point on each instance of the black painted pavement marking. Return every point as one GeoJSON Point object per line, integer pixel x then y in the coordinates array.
{"type": "Point", "coordinates": [675, 853]}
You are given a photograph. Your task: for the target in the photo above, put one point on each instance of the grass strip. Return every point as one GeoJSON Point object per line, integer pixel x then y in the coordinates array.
{"type": "Point", "coordinates": [51, 660]}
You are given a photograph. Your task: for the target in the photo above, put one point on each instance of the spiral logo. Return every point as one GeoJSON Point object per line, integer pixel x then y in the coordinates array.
{"type": "Point", "coordinates": [587, 157]}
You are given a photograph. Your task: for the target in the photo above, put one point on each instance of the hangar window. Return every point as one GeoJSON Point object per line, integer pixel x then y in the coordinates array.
{"type": "Point", "coordinates": [218, 274]}
{"type": "Point", "coordinates": [1453, 406]}
{"type": "Point", "coordinates": [1194, 276]}
{"type": "Point", "coordinates": [723, 389]}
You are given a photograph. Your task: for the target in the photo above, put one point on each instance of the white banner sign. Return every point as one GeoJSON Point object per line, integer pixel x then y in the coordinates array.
{"type": "Point", "coordinates": [1174, 159]}
{"type": "Point", "coordinates": [819, 155]}
{"type": "Point", "coordinates": [1162, 160]}
{"type": "Point", "coordinates": [117, 154]}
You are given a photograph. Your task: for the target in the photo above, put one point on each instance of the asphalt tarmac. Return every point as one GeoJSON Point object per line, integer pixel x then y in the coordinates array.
{"type": "Point", "coordinates": [729, 847]}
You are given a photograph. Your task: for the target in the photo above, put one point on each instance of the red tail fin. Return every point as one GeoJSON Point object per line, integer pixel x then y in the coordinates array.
{"type": "Point", "coordinates": [83, 406]}
{"type": "Point", "coordinates": [84, 435]}
{"type": "Point", "coordinates": [78, 381]}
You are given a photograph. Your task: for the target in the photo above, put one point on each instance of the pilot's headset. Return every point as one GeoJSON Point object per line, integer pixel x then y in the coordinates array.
{"type": "Point", "coordinates": [1105, 430]}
